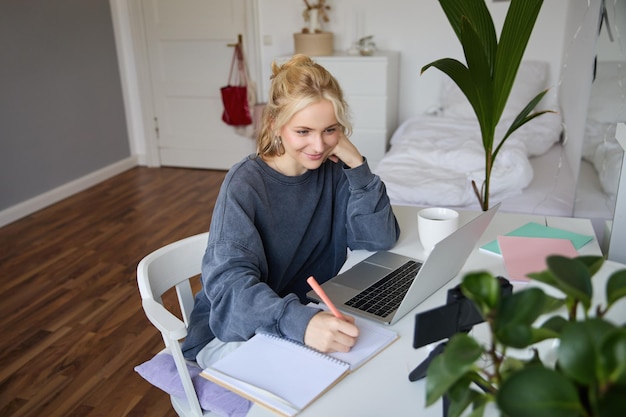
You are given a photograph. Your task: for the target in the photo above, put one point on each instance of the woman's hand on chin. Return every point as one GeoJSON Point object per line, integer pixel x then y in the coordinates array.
{"type": "Point", "coordinates": [346, 152]}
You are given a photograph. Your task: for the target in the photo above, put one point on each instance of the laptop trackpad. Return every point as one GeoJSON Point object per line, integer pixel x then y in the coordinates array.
{"type": "Point", "coordinates": [361, 276]}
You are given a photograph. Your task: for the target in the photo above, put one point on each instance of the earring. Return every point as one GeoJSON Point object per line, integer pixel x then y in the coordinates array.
{"type": "Point", "coordinates": [278, 142]}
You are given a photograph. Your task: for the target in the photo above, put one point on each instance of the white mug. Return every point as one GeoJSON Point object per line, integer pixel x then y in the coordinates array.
{"type": "Point", "coordinates": [434, 224]}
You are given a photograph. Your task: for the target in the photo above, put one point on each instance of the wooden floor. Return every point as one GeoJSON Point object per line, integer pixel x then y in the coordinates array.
{"type": "Point", "coordinates": [71, 324]}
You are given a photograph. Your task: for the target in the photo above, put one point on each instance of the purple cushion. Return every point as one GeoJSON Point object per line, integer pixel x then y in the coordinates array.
{"type": "Point", "coordinates": [161, 372]}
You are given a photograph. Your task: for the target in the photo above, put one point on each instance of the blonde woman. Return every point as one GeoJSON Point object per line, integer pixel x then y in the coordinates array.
{"type": "Point", "coordinates": [288, 212]}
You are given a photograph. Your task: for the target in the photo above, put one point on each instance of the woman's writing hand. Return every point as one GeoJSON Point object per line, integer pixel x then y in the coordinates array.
{"type": "Point", "coordinates": [327, 333]}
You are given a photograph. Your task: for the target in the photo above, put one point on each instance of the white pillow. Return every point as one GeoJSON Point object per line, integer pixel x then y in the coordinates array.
{"type": "Point", "coordinates": [531, 80]}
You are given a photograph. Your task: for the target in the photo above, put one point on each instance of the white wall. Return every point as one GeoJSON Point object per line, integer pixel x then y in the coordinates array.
{"type": "Point", "coordinates": [61, 103]}
{"type": "Point", "coordinates": [416, 28]}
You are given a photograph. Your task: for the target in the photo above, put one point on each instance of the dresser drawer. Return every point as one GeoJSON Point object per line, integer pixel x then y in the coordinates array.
{"type": "Point", "coordinates": [368, 112]}
{"type": "Point", "coordinates": [359, 77]}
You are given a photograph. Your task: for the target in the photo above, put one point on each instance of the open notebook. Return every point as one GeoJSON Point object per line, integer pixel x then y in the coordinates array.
{"type": "Point", "coordinates": [286, 376]}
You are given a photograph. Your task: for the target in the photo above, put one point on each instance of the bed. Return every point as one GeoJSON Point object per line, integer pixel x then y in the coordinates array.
{"type": "Point", "coordinates": [434, 157]}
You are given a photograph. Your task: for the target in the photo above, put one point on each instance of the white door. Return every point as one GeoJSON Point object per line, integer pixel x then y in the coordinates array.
{"type": "Point", "coordinates": [189, 59]}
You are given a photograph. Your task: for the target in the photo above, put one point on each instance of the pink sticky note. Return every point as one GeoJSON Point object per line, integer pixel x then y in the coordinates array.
{"type": "Point", "coordinates": [523, 255]}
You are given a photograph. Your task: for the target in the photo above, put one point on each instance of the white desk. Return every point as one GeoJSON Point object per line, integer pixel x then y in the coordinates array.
{"type": "Point", "coordinates": [381, 387]}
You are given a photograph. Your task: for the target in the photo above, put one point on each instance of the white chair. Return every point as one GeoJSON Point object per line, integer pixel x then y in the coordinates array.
{"type": "Point", "coordinates": [165, 268]}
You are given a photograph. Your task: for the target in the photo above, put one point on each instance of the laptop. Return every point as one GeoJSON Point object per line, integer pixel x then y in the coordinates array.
{"type": "Point", "coordinates": [399, 283]}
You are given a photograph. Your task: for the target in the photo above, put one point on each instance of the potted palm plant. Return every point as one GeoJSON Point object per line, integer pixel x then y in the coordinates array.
{"type": "Point", "coordinates": [490, 70]}
{"type": "Point", "coordinates": [588, 378]}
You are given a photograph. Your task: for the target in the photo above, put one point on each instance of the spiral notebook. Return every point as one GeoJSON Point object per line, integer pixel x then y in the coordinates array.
{"type": "Point", "coordinates": [286, 376]}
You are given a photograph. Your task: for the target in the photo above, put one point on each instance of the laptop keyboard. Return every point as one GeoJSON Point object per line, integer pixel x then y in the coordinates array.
{"type": "Point", "coordinates": [386, 294]}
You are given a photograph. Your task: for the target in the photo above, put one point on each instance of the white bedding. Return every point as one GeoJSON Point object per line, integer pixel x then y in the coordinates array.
{"type": "Point", "coordinates": [433, 159]}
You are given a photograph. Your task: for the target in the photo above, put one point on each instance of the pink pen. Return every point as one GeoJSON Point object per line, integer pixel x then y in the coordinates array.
{"type": "Point", "coordinates": [322, 294]}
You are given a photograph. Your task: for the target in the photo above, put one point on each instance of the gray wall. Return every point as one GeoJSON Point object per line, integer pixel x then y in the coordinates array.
{"type": "Point", "coordinates": [61, 106]}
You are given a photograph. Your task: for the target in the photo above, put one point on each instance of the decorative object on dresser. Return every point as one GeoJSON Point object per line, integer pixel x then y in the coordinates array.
{"type": "Point", "coordinates": [491, 69]}
{"type": "Point", "coordinates": [313, 41]}
{"type": "Point", "coordinates": [582, 373]}
{"type": "Point", "coordinates": [366, 45]}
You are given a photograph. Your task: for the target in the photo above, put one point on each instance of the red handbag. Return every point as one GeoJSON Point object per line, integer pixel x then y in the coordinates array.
{"type": "Point", "coordinates": [235, 97]}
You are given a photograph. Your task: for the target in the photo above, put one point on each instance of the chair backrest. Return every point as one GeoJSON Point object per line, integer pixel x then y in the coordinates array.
{"type": "Point", "coordinates": [172, 266]}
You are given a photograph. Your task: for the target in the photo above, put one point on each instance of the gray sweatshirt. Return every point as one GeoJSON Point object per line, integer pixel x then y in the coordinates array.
{"type": "Point", "coordinates": [269, 233]}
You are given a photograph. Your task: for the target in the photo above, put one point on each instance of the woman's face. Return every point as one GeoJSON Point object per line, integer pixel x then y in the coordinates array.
{"type": "Point", "coordinates": [309, 138]}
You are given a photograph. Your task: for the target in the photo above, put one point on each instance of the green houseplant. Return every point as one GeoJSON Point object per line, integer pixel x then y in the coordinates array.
{"type": "Point", "coordinates": [491, 68]}
{"type": "Point", "coordinates": [587, 379]}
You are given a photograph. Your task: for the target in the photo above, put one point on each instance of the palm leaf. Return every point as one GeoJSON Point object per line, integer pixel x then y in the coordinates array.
{"type": "Point", "coordinates": [474, 11]}
{"type": "Point", "coordinates": [518, 25]}
{"type": "Point", "coordinates": [522, 118]}
{"type": "Point", "coordinates": [480, 74]}
{"type": "Point", "coordinates": [460, 74]}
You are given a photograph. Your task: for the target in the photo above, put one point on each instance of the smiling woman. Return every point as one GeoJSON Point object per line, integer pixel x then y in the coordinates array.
{"type": "Point", "coordinates": [312, 136]}
{"type": "Point", "coordinates": [287, 213]}
{"type": "Point", "coordinates": [305, 123]}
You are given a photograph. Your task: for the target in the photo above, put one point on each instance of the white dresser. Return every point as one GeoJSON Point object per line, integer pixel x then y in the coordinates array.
{"type": "Point", "coordinates": [370, 86]}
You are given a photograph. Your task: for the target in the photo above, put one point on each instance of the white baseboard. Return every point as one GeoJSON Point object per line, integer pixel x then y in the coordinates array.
{"type": "Point", "coordinates": [34, 204]}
